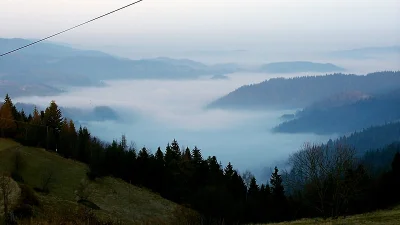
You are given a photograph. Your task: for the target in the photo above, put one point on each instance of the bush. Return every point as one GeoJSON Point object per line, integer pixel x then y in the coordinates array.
{"type": "Point", "coordinates": [92, 175]}
{"type": "Point", "coordinates": [28, 196]}
{"type": "Point", "coordinates": [23, 211]}
{"type": "Point", "coordinates": [17, 177]}
{"type": "Point", "coordinates": [27, 200]}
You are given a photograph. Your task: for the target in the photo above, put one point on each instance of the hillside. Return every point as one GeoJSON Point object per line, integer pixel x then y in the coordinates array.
{"type": "Point", "coordinates": [372, 138]}
{"type": "Point", "coordinates": [337, 100]}
{"type": "Point", "coordinates": [116, 199]}
{"type": "Point", "coordinates": [381, 217]}
{"type": "Point", "coordinates": [299, 66]}
{"type": "Point", "coordinates": [344, 118]}
{"type": "Point", "coordinates": [299, 92]}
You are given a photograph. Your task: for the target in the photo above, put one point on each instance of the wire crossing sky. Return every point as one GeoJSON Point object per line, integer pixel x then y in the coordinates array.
{"type": "Point", "coordinates": [89, 21]}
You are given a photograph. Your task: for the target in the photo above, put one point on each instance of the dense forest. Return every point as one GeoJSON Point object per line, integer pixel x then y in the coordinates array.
{"type": "Point", "coordinates": [371, 138]}
{"type": "Point", "coordinates": [374, 110]}
{"type": "Point", "coordinates": [338, 184]}
{"type": "Point", "coordinates": [98, 113]}
{"type": "Point", "coordinates": [300, 92]}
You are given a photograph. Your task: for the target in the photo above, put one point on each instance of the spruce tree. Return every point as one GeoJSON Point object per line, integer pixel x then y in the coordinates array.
{"type": "Point", "coordinates": [277, 184]}
{"type": "Point", "coordinates": [228, 171]}
{"type": "Point", "coordinates": [53, 117]}
{"type": "Point", "coordinates": [7, 119]}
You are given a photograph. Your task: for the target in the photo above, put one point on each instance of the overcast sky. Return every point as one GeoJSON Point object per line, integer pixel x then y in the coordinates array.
{"type": "Point", "coordinates": [197, 24]}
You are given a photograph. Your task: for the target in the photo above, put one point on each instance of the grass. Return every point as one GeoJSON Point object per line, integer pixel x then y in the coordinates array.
{"type": "Point", "coordinates": [6, 143]}
{"type": "Point", "coordinates": [116, 198]}
{"type": "Point", "coordinates": [384, 217]}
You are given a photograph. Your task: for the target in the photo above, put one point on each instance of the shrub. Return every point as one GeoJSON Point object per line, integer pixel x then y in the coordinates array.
{"type": "Point", "coordinates": [27, 200]}
{"type": "Point", "coordinates": [17, 177]}
{"type": "Point", "coordinates": [28, 196]}
{"type": "Point", "coordinates": [23, 211]}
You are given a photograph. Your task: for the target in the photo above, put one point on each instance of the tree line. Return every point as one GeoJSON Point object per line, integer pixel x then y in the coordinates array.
{"type": "Point", "coordinates": [321, 181]}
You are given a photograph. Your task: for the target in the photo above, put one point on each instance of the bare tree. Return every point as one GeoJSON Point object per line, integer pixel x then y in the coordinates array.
{"type": "Point", "coordinates": [247, 176]}
{"type": "Point", "coordinates": [321, 171]}
{"type": "Point", "coordinates": [46, 180]}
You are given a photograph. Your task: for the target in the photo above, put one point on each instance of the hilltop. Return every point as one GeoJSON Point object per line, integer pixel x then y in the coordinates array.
{"type": "Point", "coordinates": [116, 198]}
{"type": "Point", "coordinates": [299, 92]}
{"type": "Point", "coordinates": [300, 66]}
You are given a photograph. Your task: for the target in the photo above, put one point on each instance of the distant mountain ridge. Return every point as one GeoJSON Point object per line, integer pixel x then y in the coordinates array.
{"type": "Point", "coordinates": [299, 92]}
{"type": "Point", "coordinates": [368, 52]}
{"type": "Point", "coordinates": [49, 64]}
{"type": "Point", "coordinates": [300, 66]}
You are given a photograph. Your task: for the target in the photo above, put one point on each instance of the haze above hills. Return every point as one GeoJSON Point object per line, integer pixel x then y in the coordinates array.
{"type": "Point", "coordinates": [50, 68]}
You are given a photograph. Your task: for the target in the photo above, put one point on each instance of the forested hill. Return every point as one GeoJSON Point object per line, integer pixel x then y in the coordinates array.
{"type": "Point", "coordinates": [374, 110]}
{"type": "Point", "coordinates": [187, 177]}
{"type": "Point", "coordinates": [299, 92]}
{"type": "Point", "coordinates": [371, 138]}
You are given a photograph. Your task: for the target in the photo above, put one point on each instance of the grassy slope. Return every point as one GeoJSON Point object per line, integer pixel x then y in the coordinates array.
{"type": "Point", "coordinates": [381, 217]}
{"type": "Point", "coordinates": [117, 199]}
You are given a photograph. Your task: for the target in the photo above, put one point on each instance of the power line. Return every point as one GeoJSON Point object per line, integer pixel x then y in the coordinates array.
{"type": "Point", "coordinates": [17, 49]}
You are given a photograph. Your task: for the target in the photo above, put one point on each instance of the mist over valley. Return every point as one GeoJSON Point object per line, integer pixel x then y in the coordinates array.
{"type": "Point", "coordinates": [152, 112]}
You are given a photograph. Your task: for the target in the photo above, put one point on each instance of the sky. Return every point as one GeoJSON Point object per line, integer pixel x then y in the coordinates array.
{"type": "Point", "coordinates": [187, 25]}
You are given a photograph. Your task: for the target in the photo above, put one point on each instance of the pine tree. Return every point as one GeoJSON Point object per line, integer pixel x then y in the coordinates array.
{"type": "Point", "coordinates": [64, 139]}
{"type": "Point", "coordinates": [14, 111]}
{"type": "Point", "coordinates": [159, 157]}
{"type": "Point", "coordinates": [278, 195]}
{"type": "Point", "coordinates": [7, 120]}
{"type": "Point", "coordinates": [23, 116]}
{"type": "Point", "coordinates": [36, 119]}
{"type": "Point", "coordinates": [253, 188]}
{"type": "Point", "coordinates": [228, 171]}
{"type": "Point", "coordinates": [176, 149]}
{"type": "Point", "coordinates": [196, 156]}
{"type": "Point", "coordinates": [187, 155]}
{"type": "Point", "coordinates": [277, 184]}
{"type": "Point", "coordinates": [53, 117]}
{"type": "Point", "coordinates": [83, 145]}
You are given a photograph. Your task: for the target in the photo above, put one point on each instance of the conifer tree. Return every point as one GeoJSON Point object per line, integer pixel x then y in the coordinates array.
{"type": "Point", "coordinates": [176, 150]}
{"type": "Point", "coordinates": [159, 157]}
{"type": "Point", "coordinates": [15, 113]}
{"type": "Point", "coordinates": [276, 183]}
{"type": "Point", "coordinates": [228, 171]}
{"type": "Point", "coordinates": [196, 155]}
{"type": "Point", "coordinates": [53, 117]}
{"type": "Point", "coordinates": [7, 119]}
